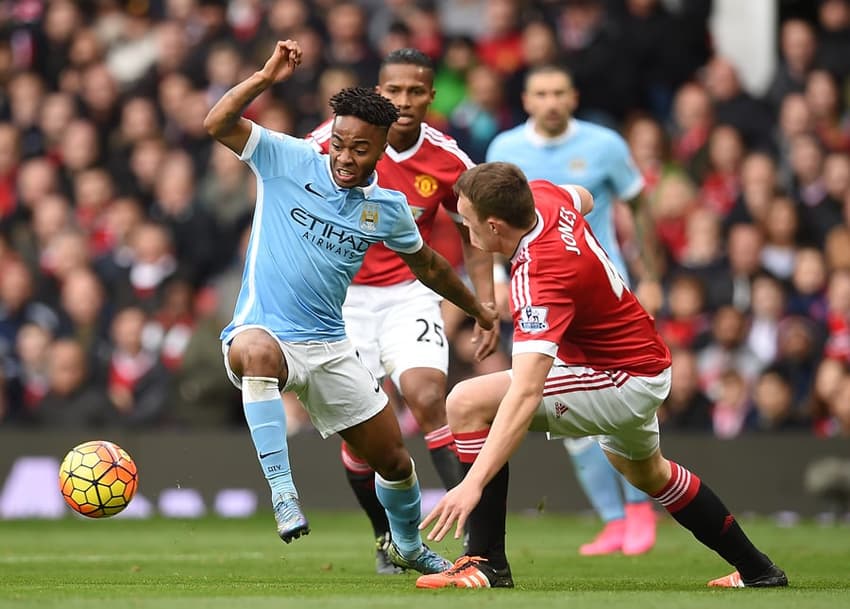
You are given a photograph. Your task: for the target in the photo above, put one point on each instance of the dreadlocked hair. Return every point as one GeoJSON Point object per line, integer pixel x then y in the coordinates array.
{"type": "Point", "coordinates": [366, 104]}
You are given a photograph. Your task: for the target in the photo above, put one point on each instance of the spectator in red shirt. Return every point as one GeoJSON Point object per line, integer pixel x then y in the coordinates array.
{"type": "Point", "coordinates": [136, 381]}
{"type": "Point", "coordinates": [686, 320]}
{"type": "Point", "coordinates": [838, 317]}
{"type": "Point", "coordinates": [722, 184]}
{"type": "Point", "coordinates": [501, 46]}
{"type": "Point", "coordinates": [9, 160]}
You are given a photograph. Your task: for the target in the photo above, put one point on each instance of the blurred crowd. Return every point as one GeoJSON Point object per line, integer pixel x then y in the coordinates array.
{"type": "Point", "coordinates": [123, 225]}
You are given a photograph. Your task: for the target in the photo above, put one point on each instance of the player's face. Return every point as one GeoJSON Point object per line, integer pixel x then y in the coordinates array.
{"type": "Point", "coordinates": [550, 99]}
{"type": "Point", "coordinates": [355, 149]}
{"type": "Point", "coordinates": [411, 89]}
{"type": "Point", "coordinates": [480, 231]}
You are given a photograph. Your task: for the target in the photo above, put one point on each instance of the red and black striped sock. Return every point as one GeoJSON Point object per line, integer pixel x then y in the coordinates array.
{"type": "Point", "coordinates": [486, 524]}
{"type": "Point", "coordinates": [695, 506]}
{"type": "Point", "coordinates": [361, 479]}
{"type": "Point", "coordinates": [441, 445]}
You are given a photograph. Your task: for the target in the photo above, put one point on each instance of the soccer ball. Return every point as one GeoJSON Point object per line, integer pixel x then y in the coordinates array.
{"type": "Point", "coordinates": [98, 479]}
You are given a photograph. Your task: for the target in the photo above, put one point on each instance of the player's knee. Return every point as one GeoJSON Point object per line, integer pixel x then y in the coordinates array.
{"type": "Point", "coordinates": [394, 464]}
{"type": "Point", "coordinates": [462, 408]}
{"type": "Point", "coordinates": [428, 406]}
{"type": "Point", "coordinates": [260, 357]}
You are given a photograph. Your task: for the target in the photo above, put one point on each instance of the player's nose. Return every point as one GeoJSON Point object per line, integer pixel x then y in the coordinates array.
{"type": "Point", "coordinates": [343, 158]}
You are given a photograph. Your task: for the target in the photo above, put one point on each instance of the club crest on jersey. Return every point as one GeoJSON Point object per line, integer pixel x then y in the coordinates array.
{"type": "Point", "coordinates": [533, 319]}
{"type": "Point", "coordinates": [425, 185]}
{"type": "Point", "coordinates": [369, 218]}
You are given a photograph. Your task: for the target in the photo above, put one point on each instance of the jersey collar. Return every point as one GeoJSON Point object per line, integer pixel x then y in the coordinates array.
{"type": "Point", "coordinates": [541, 141]}
{"type": "Point", "coordinates": [528, 237]}
{"type": "Point", "coordinates": [365, 190]}
{"type": "Point", "coordinates": [398, 157]}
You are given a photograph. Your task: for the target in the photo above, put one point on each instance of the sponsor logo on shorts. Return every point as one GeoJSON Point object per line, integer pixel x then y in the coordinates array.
{"type": "Point", "coordinates": [560, 409]}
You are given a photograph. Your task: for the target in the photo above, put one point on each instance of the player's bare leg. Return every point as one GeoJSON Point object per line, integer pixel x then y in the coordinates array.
{"type": "Point", "coordinates": [695, 506]}
{"type": "Point", "coordinates": [378, 441]}
{"type": "Point", "coordinates": [361, 479]}
{"type": "Point", "coordinates": [424, 391]}
{"type": "Point", "coordinates": [471, 408]}
{"type": "Point", "coordinates": [255, 357]}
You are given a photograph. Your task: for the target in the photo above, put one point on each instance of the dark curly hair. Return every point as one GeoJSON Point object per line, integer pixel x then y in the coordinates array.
{"type": "Point", "coordinates": [366, 104]}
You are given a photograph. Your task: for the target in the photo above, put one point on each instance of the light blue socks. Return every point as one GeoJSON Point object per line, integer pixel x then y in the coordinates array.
{"type": "Point", "coordinates": [263, 408]}
{"type": "Point", "coordinates": [600, 481]}
{"type": "Point", "coordinates": [631, 493]}
{"type": "Point", "coordinates": [401, 500]}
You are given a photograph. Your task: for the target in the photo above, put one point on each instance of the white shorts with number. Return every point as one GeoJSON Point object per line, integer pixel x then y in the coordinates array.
{"type": "Point", "coordinates": [613, 405]}
{"type": "Point", "coordinates": [396, 328]}
{"type": "Point", "coordinates": [335, 388]}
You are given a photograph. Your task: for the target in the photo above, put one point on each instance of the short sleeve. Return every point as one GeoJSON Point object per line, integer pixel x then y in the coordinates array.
{"type": "Point", "coordinates": [449, 202]}
{"type": "Point", "coordinates": [541, 312]}
{"type": "Point", "coordinates": [623, 173]}
{"type": "Point", "coordinates": [405, 237]}
{"type": "Point", "coordinates": [320, 137]}
{"type": "Point", "coordinates": [273, 154]}
{"type": "Point", "coordinates": [574, 195]}
{"type": "Point", "coordinates": [463, 162]}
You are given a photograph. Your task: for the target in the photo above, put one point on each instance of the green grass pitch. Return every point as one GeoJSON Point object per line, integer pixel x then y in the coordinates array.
{"type": "Point", "coordinates": [181, 564]}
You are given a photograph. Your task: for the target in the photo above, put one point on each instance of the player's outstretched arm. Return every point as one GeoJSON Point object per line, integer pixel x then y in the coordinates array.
{"type": "Point", "coordinates": [224, 121]}
{"type": "Point", "coordinates": [434, 271]}
{"type": "Point", "coordinates": [509, 427]}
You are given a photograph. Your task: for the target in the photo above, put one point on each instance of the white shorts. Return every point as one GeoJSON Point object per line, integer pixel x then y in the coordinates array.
{"type": "Point", "coordinates": [335, 388]}
{"type": "Point", "coordinates": [613, 405]}
{"type": "Point", "coordinates": [396, 328]}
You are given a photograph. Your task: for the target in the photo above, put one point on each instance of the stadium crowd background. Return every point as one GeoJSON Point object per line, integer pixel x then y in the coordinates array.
{"type": "Point", "coordinates": [122, 224]}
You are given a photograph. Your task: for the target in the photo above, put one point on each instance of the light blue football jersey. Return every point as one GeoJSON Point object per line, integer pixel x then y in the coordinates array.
{"type": "Point", "coordinates": [587, 154]}
{"type": "Point", "coordinates": [308, 239]}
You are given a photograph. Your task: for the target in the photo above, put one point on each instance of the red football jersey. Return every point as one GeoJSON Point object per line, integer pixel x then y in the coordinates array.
{"type": "Point", "coordinates": [426, 174]}
{"type": "Point", "coordinates": [568, 299]}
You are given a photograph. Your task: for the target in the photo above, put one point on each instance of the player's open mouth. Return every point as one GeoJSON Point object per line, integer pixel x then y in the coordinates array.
{"type": "Point", "coordinates": [405, 119]}
{"type": "Point", "coordinates": [343, 175]}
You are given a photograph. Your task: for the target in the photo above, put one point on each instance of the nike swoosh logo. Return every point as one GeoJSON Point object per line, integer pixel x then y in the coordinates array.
{"type": "Point", "coordinates": [309, 188]}
{"type": "Point", "coordinates": [274, 452]}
